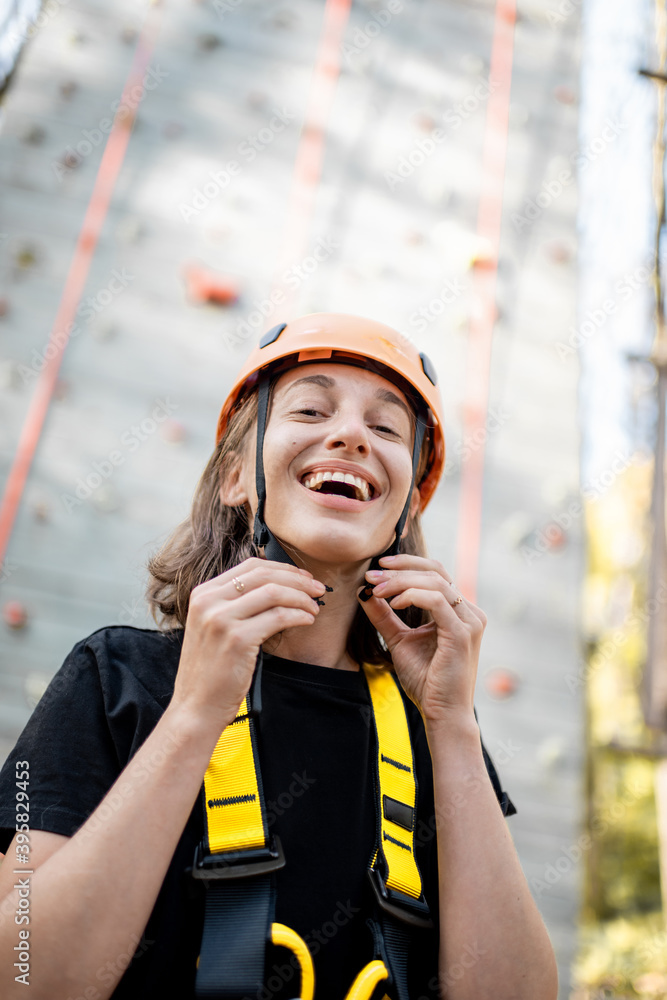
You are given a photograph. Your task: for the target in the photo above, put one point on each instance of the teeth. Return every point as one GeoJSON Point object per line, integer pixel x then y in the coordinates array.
{"type": "Point", "coordinates": [315, 481]}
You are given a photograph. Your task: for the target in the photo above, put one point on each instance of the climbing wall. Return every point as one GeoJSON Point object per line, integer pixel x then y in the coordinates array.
{"type": "Point", "coordinates": [221, 203]}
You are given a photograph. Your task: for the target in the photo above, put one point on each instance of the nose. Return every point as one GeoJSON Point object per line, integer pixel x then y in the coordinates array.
{"type": "Point", "coordinates": [349, 432]}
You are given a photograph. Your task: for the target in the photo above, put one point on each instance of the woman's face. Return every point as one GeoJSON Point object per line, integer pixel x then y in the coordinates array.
{"type": "Point", "coordinates": [337, 462]}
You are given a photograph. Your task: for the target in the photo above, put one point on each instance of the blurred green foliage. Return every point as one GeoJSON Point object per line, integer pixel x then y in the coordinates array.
{"type": "Point", "coordinates": [623, 940]}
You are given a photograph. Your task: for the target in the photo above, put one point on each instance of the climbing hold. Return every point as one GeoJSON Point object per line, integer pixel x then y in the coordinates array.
{"type": "Point", "coordinates": [558, 251]}
{"type": "Point", "coordinates": [33, 135]}
{"type": "Point", "coordinates": [208, 41]}
{"type": "Point", "coordinates": [173, 431]}
{"type": "Point", "coordinates": [565, 94]}
{"type": "Point", "coordinates": [204, 285]}
{"type": "Point", "coordinates": [15, 614]}
{"type": "Point", "coordinates": [68, 88]}
{"type": "Point", "coordinates": [554, 536]}
{"type": "Point", "coordinates": [41, 510]}
{"type": "Point", "coordinates": [500, 682]}
{"type": "Point", "coordinates": [172, 130]}
{"type": "Point", "coordinates": [26, 257]}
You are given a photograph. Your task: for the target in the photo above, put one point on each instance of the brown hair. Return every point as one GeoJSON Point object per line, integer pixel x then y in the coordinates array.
{"type": "Point", "coordinates": [215, 537]}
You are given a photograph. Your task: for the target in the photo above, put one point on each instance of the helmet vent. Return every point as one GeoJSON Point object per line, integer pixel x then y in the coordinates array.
{"type": "Point", "coordinates": [272, 335]}
{"type": "Point", "coordinates": [429, 369]}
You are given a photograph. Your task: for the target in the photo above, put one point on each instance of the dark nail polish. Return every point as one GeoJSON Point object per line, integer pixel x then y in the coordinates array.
{"type": "Point", "coordinates": [330, 589]}
{"type": "Point", "coordinates": [321, 603]}
{"type": "Point", "coordinates": [367, 592]}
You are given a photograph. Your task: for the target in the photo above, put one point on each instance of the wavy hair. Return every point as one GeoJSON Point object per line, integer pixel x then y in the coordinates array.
{"type": "Point", "coordinates": [215, 537]}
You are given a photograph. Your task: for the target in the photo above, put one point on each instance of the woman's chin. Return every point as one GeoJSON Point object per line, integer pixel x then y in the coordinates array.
{"type": "Point", "coordinates": [334, 547]}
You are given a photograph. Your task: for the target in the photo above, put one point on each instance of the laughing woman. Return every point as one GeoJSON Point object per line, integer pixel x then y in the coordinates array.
{"type": "Point", "coordinates": [283, 788]}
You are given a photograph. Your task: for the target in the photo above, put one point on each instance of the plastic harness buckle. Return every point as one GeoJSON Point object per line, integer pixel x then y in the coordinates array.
{"type": "Point", "coordinates": [238, 864]}
{"type": "Point", "coordinates": [414, 912]}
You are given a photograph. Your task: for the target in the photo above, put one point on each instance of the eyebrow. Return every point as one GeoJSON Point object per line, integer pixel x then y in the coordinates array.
{"type": "Point", "coordinates": [386, 395]}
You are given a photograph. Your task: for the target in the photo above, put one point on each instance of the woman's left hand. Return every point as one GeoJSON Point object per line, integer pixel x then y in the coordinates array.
{"type": "Point", "coordinates": [436, 663]}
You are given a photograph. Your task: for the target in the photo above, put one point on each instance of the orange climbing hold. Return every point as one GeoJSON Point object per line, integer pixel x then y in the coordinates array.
{"type": "Point", "coordinates": [15, 614]}
{"type": "Point", "coordinates": [208, 286]}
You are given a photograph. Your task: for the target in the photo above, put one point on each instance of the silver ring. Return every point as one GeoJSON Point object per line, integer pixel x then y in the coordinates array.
{"type": "Point", "coordinates": [239, 584]}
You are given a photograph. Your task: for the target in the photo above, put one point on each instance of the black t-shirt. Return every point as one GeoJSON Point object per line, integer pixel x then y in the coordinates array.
{"type": "Point", "coordinates": [316, 747]}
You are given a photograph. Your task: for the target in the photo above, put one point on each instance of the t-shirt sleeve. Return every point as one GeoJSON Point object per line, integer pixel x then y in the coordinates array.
{"type": "Point", "coordinates": [67, 749]}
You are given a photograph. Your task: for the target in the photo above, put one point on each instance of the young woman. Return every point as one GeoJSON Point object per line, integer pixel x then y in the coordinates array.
{"type": "Point", "coordinates": [315, 685]}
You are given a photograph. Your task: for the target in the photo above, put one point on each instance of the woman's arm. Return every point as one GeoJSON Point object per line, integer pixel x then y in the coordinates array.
{"type": "Point", "coordinates": [494, 945]}
{"type": "Point", "coordinates": [89, 902]}
{"type": "Point", "coordinates": [493, 942]}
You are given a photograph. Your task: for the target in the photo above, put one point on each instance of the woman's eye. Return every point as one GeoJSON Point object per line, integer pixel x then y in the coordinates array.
{"type": "Point", "coordinates": [309, 413]}
{"type": "Point", "coordinates": [387, 430]}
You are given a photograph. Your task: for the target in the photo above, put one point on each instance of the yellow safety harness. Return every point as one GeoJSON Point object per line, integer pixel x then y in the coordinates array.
{"type": "Point", "coordinates": [237, 859]}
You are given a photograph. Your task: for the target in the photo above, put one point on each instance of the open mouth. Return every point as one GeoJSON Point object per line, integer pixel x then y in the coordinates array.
{"type": "Point", "coordinates": [342, 484]}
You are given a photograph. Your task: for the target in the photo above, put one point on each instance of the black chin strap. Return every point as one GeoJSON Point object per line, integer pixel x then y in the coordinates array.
{"type": "Point", "coordinates": [263, 537]}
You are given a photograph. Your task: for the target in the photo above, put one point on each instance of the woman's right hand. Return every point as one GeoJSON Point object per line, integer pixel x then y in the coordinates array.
{"type": "Point", "coordinates": [226, 627]}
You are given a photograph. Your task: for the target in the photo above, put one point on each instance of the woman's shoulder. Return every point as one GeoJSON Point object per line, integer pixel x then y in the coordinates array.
{"type": "Point", "coordinates": [128, 658]}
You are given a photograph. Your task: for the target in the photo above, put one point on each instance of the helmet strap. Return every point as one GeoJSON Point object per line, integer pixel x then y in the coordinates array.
{"type": "Point", "coordinates": [393, 549]}
{"type": "Point", "coordinates": [263, 537]}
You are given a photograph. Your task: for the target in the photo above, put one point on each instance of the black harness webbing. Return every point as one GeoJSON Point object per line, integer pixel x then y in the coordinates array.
{"type": "Point", "coordinates": [237, 859]}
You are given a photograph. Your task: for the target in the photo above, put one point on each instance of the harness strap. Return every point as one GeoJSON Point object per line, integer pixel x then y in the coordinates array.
{"type": "Point", "coordinates": [237, 858]}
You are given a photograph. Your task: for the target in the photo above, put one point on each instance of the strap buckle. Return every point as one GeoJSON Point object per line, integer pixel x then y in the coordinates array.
{"type": "Point", "coordinates": [410, 911]}
{"type": "Point", "coordinates": [238, 864]}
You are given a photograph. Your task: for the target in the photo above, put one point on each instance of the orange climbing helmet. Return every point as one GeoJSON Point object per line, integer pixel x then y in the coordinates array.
{"type": "Point", "coordinates": [350, 340]}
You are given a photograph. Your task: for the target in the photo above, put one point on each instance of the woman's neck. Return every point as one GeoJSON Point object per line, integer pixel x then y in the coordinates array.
{"type": "Point", "coordinates": [325, 641]}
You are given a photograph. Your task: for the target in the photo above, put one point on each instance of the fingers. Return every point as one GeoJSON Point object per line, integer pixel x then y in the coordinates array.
{"type": "Point", "coordinates": [442, 612]}
{"type": "Point", "coordinates": [404, 561]}
{"type": "Point", "coordinates": [271, 595]}
{"type": "Point", "coordinates": [254, 573]}
{"type": "Point", "coordinates": [399, 585]}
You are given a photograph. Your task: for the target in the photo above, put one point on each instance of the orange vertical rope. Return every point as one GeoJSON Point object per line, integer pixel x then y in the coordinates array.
{"type": "Point", "coordinates": [310, 151]}
{"type": "Point", "coordinates": [484, 310]}
{"type": "Point", "coordinates": [107, 175]}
